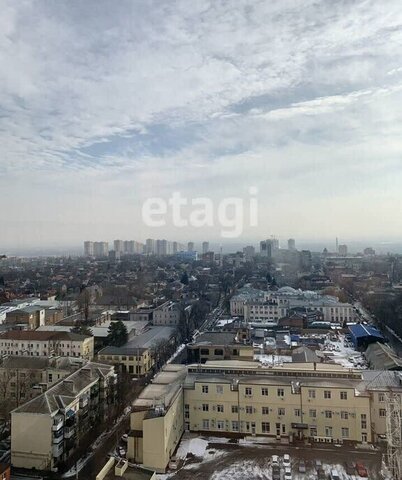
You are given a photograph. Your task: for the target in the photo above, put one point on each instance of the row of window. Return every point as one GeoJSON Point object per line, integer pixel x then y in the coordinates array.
{"type": "Point", "coordinates": [219, 408]}
{"type": "Point", "coordinates": [280, 392]}
{"type": "Point", "coordinates": [266, 428]}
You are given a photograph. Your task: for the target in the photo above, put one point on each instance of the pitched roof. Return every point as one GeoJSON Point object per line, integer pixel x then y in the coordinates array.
{"type": "Point", "coordinates": [41, 335]}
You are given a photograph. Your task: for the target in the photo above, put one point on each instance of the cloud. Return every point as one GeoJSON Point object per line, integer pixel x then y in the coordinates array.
{"type": "Point", "coordinates": [105, 103]}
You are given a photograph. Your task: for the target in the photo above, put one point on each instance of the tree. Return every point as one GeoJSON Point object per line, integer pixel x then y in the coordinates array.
{"type": "Point", "coordinates": [184, 278]}
{"type": "Point", "coordinates": [84, 301]}
{"type": "Point", "coordinates": [117, 334]}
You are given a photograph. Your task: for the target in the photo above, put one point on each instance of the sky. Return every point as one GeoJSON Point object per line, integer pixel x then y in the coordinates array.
{"type": "Point", "coordinates": [106, 104]}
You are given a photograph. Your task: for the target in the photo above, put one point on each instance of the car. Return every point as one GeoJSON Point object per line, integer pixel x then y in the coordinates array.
{"type": "Point", "coordinates": [288, 473]}
{"type": "Point", "coordinates": [120, 452]}
{"type": "Point", "coordinates": [274, 460]}
{"type": "Point", "coordinates": [318, 465]}
{"type": "Point", "coordinates": [276, 472]}
{"type": "Point", "coordinates": [321, 474]}
{"type": "Point", "coordinates": [350, 468]}
{"type": "Point", "coordinates": [334, 475]}
{"type": "Point", "coordinates": [361, 470]}
{"type": "Point", "coordinates": [173, 464]}
{"type": "Point", "coordinates": [124, 438]}
{"type": "Point", "coordinates": [302, 466]}
{"type": "Point", "coordinates": [286, 460]}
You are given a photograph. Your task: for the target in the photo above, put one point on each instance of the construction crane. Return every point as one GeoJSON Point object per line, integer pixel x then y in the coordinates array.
{"type": "Point", "coordinates": [394, 433]}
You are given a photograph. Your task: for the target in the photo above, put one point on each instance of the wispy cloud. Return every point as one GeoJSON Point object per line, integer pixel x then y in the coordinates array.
{"type": "Point", "coordinates": [103, 103]}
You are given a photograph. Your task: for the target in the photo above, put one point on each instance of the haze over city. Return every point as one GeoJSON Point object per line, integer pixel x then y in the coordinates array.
{"type": "Point", "coordinates": [105, 104]}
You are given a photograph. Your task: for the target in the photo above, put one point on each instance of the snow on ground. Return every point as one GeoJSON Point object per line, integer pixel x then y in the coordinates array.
{"type": "Point", "coordinates": [197, 446]}
{"type": "Point", "coordinates": [342, 353]}
{"type": "Point", "coordinates": [272, 359]}
{"type": "Point", "coordinates": [222, 323]}
{"type": "Point", "coordinates": [245, 469]}
{"type": "Point", "coordinates": [179, 349]}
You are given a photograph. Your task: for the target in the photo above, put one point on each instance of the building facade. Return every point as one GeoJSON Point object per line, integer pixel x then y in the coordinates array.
{"type": "Point", "coordinates": [167, 314]}
{"type": "Point", "coordinates": [45, 343]}
{"type": "Point", "coordinates": [59, 417]}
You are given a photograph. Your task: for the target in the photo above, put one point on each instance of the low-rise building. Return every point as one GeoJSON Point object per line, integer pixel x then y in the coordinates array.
{"type": "Point", "coordinates": [46, 430]}
{"type": "Point", "coordinates": [35, 343]}
{"type": "Point", "coordinates": [305, 401]}
{"type": "Point", "coordinates": [167, 314]}
{"type": "Point", "coordinates": [29, 317]}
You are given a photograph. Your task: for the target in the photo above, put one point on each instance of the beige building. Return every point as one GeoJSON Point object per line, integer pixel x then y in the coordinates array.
{"type": "Point", "coordinates": [135, 361]}
{"type": "Point", "coordinates": [295, 401]}
{"type": "Point", "coordinates": [46, 430]}
{"type": "Point", "coordinates": [45, 343]}
{"type": "Point", "coordinates": [157, 421]}
{"type": "Point", "coordinates": [29, 317]}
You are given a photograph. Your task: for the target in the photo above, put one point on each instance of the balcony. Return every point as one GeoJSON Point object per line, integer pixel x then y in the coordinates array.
{"type": "Point", "coordinates": [58, 436]}
{"type": "Point", "coordinates": [57, 450]}
{"type": "Point", "coordinates": [58, 422]}
{"type": "Point", "coordinates": [69, 432]}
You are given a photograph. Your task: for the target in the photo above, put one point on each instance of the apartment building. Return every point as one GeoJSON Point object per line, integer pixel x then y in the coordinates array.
{"type": "Point", "coordinates": [23, 378]}
{"type": "Point", "coordinates": [167, 314]}
{"type": "Point", "coordinates": [297, 401]}
{"type": "Point", "coordinates": [44, 343]}
{"type": "Point", "coordinates": [133, 360]}
{"type": "Point", "coordinates": [46, 430]}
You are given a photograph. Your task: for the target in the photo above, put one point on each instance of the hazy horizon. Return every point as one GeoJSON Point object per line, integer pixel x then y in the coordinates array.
{"type": "Point", "coordinates": [106, 104]}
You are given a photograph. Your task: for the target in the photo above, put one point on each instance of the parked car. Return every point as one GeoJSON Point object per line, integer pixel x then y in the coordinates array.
{"type": "Point", "coordinates": [173, 464]}
{"type": "Point", "coordinates": [321, 474]}
{"type": "Point", "coordinates": [286, 460]}
{"type": "Point", "coordinates": [350, 468]}
{"type": "Point", "coordinates": [334, 475]}
{"type": "Point", "coordinates": [275, 460]}
{"type": "Point", "coordinates": [318, 465]}
{"type": "Point", "coordinates": [302, 466]}
{"type": "Point", "coordinates": [124, 438]}
{"type": "Point", "coordinates": [361, 470]}
{"type": "Point", "coordinates": [288, 473]}
{"type": "Point", "coordinates": [120, 452]}
{"type": "Point", "coordinates": [276, 472]}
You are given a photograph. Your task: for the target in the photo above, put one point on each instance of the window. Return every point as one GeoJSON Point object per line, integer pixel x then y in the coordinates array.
{"type": "Point", "coordinates": [219, 408]}
{"type": "Point", "coordinates": [235, 426]}
{"type": "Point", "coordinates": [327, 394]}
{"type": "Point", "coordinates": [264, 391]}
{"type": "Point", "coordinates": [219, 389]}
{"type": "Point", "coordinates": [205, 389]}
{"type": "Point", "coordinates": [382, 412]}
{"type": "Point", "coordinates": [265, 427]}
{"type": "Point", "coordinates": [205, 424]}
{"type": "Point", "coordinates": [381, 397]}
{"type": "Point", "coordinates": [344, 415]}
{"type": "Point", "coordinates": [205, 407]}
{"type": "Point", "coordinates": [265, 410]}
{"type": "Point", "coordinates": [344, 395]}
{"type": "Point", "coordinates": [312, 413]}
{"type": "Point", "coordinates": [249, 409]}
{"type": "Point", "coordinates": [220, 425]}
{"type": "Point", "coordinates": [345, 432]}
{"type": "Point", "coordinates": [328, 414]}
{"type": "Point", "coordinates": [311, 394]}
{"type": "Point", "coordinates": [235, 409]}
{"type": "Point", "coordinates": [281, 412]}
{"type": "Point", "coordinates": [363, 421]}
{"type": "Point", "coordinates": [313, 431]}
{"type": "Point", "coordinates": [328, 431]}
{"type": "Point", "coordinates": [281, 392]}
{"type": "Point", "coordinates": [218, 352]}
{"type": "Point", "coordinates": [297, 412]}
{"type": "Point", "coordinates": [249, 391]}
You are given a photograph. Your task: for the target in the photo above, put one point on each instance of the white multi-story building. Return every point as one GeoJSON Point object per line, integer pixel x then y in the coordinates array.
{"type": "Point", "coordinates": [36, 343]}
{"type": "Point", "coordinates": [118, 246]}
{"type": "Point", "coordinates": [101, 249]}
{"type": "Point", "coordinates": [205, 247]}
{"type": "Point", "coordinates": [260, 306]}
{"type": "Point", "coordinates": [167, 314]}
{"type": "Point", "coordinates": [89, 249]}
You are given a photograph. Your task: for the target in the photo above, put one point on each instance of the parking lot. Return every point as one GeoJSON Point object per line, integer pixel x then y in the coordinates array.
{"type": "Point", "coordinates": [219, 459]}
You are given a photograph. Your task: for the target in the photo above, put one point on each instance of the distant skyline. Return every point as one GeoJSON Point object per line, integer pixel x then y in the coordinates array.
{"type": "Point", "coordinates": [104, 104]}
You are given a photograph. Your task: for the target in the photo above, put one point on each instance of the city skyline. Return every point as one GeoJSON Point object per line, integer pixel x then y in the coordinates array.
{"type": "Point", "coordinates": [131, 102]}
